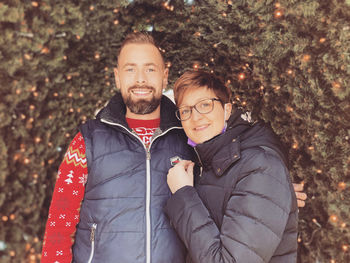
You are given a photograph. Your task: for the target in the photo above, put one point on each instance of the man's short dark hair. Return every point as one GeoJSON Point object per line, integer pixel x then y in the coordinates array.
{"type": "Point", "coordinates": [139, 38]}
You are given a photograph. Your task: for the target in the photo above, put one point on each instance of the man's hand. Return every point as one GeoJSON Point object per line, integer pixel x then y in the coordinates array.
{"type": "Point", "coordinates": [301, 196]}
{"type": "Point", "coordinates": [180, 175]}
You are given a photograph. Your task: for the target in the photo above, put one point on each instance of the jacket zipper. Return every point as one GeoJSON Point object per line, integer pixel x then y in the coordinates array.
{"type": "Point", "coordinates": [148, 183]}
{"type": "Point", "coordinates": [148, 204]}
{"type": "Point", "coordinates": [200, 161]}
{"type": "Point", "coordinates": [92, 239]}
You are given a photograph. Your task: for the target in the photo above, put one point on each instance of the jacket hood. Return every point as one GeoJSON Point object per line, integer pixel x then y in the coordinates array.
{"type": "Point", "coordinates": [255, 134]}
{"type": "Point", "coordinates": [115, 112]}
{"type": "Point", "coordinates": [220, 152]}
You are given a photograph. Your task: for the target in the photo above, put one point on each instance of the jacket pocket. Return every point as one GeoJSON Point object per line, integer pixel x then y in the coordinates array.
{"type": "Point", "coordinates": [92, 240]}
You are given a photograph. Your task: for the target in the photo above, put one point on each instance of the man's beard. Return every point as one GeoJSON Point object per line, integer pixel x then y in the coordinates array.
{"type": "Point", "coordinates": [142, 106]}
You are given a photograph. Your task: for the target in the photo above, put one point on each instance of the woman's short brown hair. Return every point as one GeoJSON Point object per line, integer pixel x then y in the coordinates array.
{"type": "Point", "coordinates": [197, 79]}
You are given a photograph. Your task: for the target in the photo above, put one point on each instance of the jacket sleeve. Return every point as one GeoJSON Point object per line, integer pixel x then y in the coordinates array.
{"type": "Point", "coordinates": [254, 219]}
{"type": "Point", "coordinates": [65, 204]}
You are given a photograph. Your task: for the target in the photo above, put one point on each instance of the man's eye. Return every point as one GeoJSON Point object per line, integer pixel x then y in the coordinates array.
{"type": "Point", "coordinates": [150, 70]}
{"type": "Point", "coordinates": [129, 70]}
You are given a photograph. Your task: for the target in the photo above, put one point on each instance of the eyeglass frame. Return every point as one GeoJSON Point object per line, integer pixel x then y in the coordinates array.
{"type": "Point", "coordinates": [177, 112]}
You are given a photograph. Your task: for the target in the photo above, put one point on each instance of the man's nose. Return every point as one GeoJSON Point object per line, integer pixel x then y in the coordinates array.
{"type": "Point", "coordinates": [140, 77]}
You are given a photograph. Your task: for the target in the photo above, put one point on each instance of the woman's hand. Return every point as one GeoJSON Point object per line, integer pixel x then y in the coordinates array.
{"type": "Point", "coordinates": [301, 196]}
{"type": "Point", "coordinates": [180, 175]}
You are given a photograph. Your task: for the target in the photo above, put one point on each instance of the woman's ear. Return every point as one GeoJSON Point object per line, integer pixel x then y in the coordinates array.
{"type": "Point", "coordinates": [228, 110]}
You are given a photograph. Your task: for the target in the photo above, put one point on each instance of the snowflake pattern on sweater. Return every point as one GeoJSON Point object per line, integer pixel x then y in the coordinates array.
{"type": "Point", "coordinates": [64, 212]}
{"type": "Point", "coordinates": [65, 205]}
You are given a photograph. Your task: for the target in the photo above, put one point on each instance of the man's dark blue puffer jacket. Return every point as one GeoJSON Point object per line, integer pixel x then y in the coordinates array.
{"type": "Point", "coordinates": [243, 207]}
{"type": "Point", "coordinates": [122, 218]}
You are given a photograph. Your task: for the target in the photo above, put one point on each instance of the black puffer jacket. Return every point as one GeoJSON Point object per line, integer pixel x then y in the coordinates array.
{"type": "Point", "coordinates": [243, 207]}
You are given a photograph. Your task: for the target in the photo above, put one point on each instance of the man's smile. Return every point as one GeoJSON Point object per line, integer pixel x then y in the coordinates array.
{"type": "Point", "coordinates": [141, 91]}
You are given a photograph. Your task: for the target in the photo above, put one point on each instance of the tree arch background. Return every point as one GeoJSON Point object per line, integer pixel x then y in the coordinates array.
{"type": "Point", "coordinates": [286, 61]}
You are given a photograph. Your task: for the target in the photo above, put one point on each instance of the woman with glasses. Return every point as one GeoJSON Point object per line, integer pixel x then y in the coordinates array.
{"type": "Point", "coordinates": [242, 206]}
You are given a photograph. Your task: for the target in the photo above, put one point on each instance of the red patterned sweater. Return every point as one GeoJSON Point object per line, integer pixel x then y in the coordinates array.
{"type": "Point", "coordinates": [69, 192]}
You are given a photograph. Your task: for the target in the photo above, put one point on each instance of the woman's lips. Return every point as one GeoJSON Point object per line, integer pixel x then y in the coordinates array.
{"type": "Point", "coordinates": [201, 127]}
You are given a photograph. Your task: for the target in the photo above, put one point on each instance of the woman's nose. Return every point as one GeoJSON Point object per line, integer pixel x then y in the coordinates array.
{"type": "Point", "coordinates": [196, 115]}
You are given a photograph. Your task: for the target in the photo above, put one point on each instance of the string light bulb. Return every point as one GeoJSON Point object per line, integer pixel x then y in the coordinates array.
{"type": "Point", "coordinates": [333, 218]}
{"type": "Point", "coordinates": [27, 56]}
{"type": "Point", "coordinates": [289, 109]}
{"type": "Point", "coordinates": [306, 57]}
{"type": "Point", "coordinates": [341, 186]}
{"type": "Point", "coordinates": [45, 50]}
{"type": "Point", "coordinates": [345, 248]}
{"type": "Point", "coordinates": [278, 14]}
{"type": "Point", "coordinates": [241, 76]}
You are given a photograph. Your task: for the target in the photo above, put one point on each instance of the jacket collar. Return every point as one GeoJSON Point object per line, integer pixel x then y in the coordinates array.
{"type": "Point", "coordinates": [220, 152]}
{"type": "Point", "coordinates": [115, 112]}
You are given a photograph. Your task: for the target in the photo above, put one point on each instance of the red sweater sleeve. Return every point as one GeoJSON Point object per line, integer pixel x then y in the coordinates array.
{"type": "Point", "coordinates": [65, 205]}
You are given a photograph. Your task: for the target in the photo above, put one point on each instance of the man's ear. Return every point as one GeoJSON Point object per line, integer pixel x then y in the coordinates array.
{"type": "Point", "coordinates": [116, 78]}
{"type": "Point", "coordinates": [228, 110]}
{"type": "Point", "coordinates": [165, 77]}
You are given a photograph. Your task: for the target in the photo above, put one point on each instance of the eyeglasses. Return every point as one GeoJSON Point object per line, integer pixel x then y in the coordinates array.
{"type": "Point", "coordinates": [203, 107]}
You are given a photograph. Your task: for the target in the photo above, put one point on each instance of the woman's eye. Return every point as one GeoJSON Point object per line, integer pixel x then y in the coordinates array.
{"type": "Point", "coordinates": [204, 105]}
{"type": "Point", "coordinates": [185, 111]}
